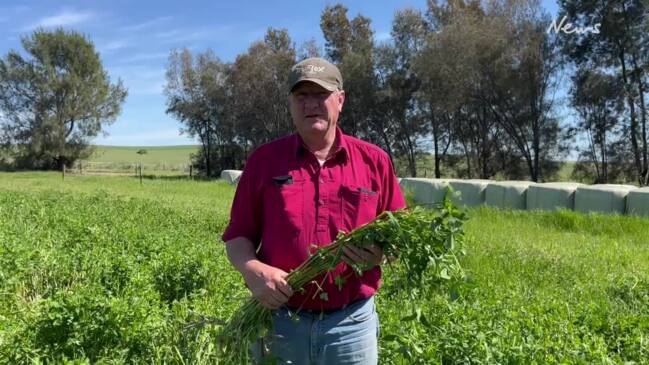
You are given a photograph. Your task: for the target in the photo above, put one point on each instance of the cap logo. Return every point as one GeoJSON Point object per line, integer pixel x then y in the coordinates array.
{"type": "Point", "coordinates": [312, 69]}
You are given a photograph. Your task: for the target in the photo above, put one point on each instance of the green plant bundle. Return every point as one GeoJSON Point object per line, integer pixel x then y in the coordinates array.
{"type": "Point", "coordinates": [424, 243]}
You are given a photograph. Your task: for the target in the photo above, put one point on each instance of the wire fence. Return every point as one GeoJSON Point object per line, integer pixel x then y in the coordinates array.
{"type": "Point", "coordinates": [129, 168]}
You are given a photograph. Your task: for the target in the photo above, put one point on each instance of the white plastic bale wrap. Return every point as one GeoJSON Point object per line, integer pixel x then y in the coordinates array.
{"type": "Point", "coordinates": [507, 194]}
{"type": "Point", "coordinates": [603, 198]}
{"type": "Point", "coordinates": [231, 176]}
{"type": "Point", "coordinates": [427, 192]}
{"type": "Point", "coordinates": [637, 202]}
{"type": "Point", "coordinates": [551, 196]}
{"type": "Point", "coordinates": [471, 192]}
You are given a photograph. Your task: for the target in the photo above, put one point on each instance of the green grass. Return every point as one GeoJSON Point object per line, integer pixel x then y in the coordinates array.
{"type": "Point", "coordinates": [171, 155]}
{"type": "Point", "coordinates": [159, 160]}
{"type": "Point", "coordinates": [103, 269]}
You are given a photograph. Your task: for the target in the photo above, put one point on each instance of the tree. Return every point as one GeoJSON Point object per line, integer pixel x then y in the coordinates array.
{"type": "Point", "coordinates": [399, 83]}
{"type": "Point", "coordinates": [445, 66]}
{"type": "Point", "coordinates": [196, 96]}
{"type": "Point", "coordinates": [461, 54]}
{"type": "Point", "coordinates": [309, 49]}
{"type": "Point", "coordinates": [350, 45]}
{"type": "Point", "coordinates": [55, 100]}
{"type": "Point", "coordinates": [521, 96]}
{"type": "Point", "coordinates": [621, 47]}
{"type": "Point", "coordinates": [598, 100]}
{"type": "Point", "coordinates": [258, 89]}
{"type": "Point", "coordinates": [337, 32]}
{"type": "Point", "coordinates": [488, 70]}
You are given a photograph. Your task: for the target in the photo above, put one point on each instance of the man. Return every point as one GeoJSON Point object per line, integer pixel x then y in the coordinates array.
{"type": "Point", "coordinates": [294, 195]}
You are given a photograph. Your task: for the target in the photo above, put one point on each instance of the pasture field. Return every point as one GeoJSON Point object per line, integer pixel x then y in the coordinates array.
{"type": "Point", "coordinates": [172, 155]}
{"type": "Point", "coordinates": [105, 270]}
{"type": "Point", "coordinates": [174, 160]}
{"type": "Point", "coordinates": [158, 160]}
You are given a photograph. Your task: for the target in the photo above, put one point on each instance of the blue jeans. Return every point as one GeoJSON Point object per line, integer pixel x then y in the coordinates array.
{"type": "Point", "coordinates": [346, 336]}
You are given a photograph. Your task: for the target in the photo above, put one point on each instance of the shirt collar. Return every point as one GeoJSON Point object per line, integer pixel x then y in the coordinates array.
{"type": "Point", "coordinates": [300, 148]}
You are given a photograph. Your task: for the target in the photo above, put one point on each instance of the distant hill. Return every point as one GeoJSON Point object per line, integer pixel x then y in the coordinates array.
{"type": "Point", "coordinates": [158, 155]}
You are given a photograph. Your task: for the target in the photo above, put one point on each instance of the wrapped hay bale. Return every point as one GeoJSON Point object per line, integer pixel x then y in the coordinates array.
{"type": "Point", "coordinates": [604, 198]}
{"type": "Point", "coordinates": [637, 202]}
{"type": "Point", "coordinates": [471, 192]}
{"type": "Point", "coordinates": [427, 192]}
{"type": "Point", "coordinates": [507, 194]}
{"type": "Point", "coordinates": [551, 196]}
{"type": "Point", "coordinates": [231, 176]}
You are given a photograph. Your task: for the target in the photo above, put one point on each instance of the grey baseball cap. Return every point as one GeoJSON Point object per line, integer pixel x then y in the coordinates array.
{"type": "Point", "coordinates": [317, 70]}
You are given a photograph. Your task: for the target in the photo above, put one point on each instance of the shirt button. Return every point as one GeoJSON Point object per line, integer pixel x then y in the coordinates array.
{"type": "Point", "coordinates": [321, 202]}
{"type": "Point", "coordinates": [321, 181]}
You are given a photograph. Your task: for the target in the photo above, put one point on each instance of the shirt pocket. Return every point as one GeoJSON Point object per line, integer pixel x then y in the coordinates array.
{"type": "Point", "coordinates": [359, 206]}
{"type": "Point", "coordinates": [283, 207]}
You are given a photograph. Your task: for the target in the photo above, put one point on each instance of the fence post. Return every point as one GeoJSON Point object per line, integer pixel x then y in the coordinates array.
{"type": "Point", "coordinates": [140, 173]}
{"type": "Point", "coordinates": [63, 172]}
{"type": "Point", "coordinates": [190, 173]}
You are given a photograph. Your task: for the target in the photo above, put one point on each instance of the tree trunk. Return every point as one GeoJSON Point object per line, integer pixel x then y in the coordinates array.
{"type": "Point", "coordinates": [593, 144]}
{"type": "Point", "coordinates": [604, 160]}
{"type": "Point", "coordinates": [67, 134]}
{"type": "Point", "coordinates": [467, 154]}
{"type": "Point", "coordinates": [435, 129]}
{"type": "Point", "coordinates": [634, 122]}
{"type": "Point", "coordinates": [643, 117]}
{"type": "Point", "coordinates": [386, 142]}
{"type": "Point", "coordinates": [638, 75]}
{"type": "Point", "coordinates": [438, 172]}
{"type": "Point", "coordinates": [207, 152]}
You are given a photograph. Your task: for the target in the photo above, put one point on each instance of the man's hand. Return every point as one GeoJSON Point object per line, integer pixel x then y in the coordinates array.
{"type": "Point", "coordinates": [267, 284]}
{"type": "Point", "coordinates": [370, 255]}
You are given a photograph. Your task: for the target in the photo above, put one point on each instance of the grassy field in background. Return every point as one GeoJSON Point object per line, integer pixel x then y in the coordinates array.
{"type": "Point", "coordinates": [166, 160]}
{"type": "Point", "coordinates": [104, 269]}
{"type": "Point", "coordinates": [172, 155]}
{"type": "Point", "coordinates": [158, 160]}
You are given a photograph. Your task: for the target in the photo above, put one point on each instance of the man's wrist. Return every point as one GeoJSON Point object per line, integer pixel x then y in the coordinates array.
{"type": "Point", "coordinates": [252, 267]}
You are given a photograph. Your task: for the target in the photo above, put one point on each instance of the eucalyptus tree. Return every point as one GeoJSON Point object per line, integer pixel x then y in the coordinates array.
{"type": "Point", "coordinates": [598, 99]}
{"type": "Point", "coordinates": [399, 83]}
{"type": "Point", "coordinates": [258, 89]}
{"type": "Point", "coordinates": [350, 45]}
{"type": "Point", "coordinates": [55, 99]}
{"type": "Point", "coordinates": [196, 97]}
{"type": "Point", "coordinates": [612, 36]}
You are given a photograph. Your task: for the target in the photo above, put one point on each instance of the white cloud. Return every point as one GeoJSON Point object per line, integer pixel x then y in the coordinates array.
{"type": "Point", "coordinates": [169, 33]}
{"type": "Point", "coordinates": [146, 24]}
{"type": "Point", "coordinates": [112, 46]}
{"type": "Point", "coordinates": [139, 57]}
{"type": "Point", "coordinates": [222, 32]}
{"type": "Point", "coordinates": [62, 19]}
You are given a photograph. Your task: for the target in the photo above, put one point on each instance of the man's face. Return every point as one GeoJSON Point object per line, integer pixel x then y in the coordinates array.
{"type": "Point", "coordinates": [315, 109]}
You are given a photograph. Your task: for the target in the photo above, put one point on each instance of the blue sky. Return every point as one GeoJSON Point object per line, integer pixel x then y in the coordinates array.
{"type": "Point", "coordinates": [134, 39]}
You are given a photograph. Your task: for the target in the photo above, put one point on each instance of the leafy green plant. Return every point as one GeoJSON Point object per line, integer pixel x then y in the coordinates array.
{"type": "Point", "coordinates": [541, 287]}
{"type": "Point", "coordinates": [425, 243]}
{"type": "Point", "coordinates": [178, 274]}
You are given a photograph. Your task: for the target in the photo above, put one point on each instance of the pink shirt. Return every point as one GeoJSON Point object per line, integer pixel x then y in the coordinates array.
{"type": "Point", "coordinates": [289, 204]}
